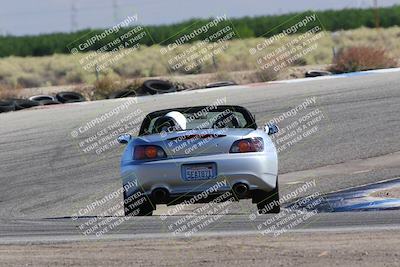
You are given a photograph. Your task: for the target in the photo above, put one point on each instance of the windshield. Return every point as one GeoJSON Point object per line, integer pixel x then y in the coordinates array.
{"type": "Point", "coordinates": [199, 118]}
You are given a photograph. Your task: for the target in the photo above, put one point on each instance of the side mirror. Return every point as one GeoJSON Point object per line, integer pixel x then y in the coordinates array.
{"type": "Point", "coordinates": [271, 128]}
{"type": "Point", "coordinates": [124, 138]}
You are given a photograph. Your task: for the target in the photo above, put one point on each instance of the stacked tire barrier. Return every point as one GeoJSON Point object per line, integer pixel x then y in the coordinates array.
{"type": "Point", "coordinates": [123, 93]}
{"type": "Point", "coordinates": [152, 87]}
{"type": "Point", "coordinates": [6, 106]}
{"type": "Point", "coordinates": [316, 73]}
{"type": "Point", "coordinates": [24, 103]}
{"type": "Point", "coordinates": [158, 87]}
{"type": "Point", "coordinates": [15, 104]}
{"type": "Point", "coordinates": [221, 84]}
{"type": "Point", "coordinates": [69, 97]}
{"type": "Point", "coordinates": [45, 100]}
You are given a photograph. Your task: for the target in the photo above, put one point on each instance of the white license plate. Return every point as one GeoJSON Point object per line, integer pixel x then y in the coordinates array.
{"type": "Point", "coordinates": [199, 172]}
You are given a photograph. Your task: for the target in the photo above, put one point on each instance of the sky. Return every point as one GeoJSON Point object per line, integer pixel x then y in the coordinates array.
{"type": "Point", "coordinates": [22, 17]}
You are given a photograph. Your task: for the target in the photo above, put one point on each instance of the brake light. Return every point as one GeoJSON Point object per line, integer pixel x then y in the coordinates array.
{"type": "Point", "coordinates": [149, 152]}
{"type": "Point", "coordinates": [254, 144]}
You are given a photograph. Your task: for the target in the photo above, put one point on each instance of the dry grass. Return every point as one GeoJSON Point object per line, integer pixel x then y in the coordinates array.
{"type": "Point", "coordinates": [6, 92]}
{"type": "Point", "coordinates": [105, 86]}
{"type": "Point", "coordinates": [361, 58]}
{"type": "Point", "coordinates": [108, 84]}
{"type": "Point", "coordinates": [146, 62]}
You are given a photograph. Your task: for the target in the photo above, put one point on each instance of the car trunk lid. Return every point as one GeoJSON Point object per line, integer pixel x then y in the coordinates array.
{"type": "Point", "coordinates": [198, 142]}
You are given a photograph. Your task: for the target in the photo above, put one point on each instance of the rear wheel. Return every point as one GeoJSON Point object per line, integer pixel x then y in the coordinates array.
{"type": "Point", "coordinates": [138, 205]}
{"type": "Point", "coordinates": [267, 202]}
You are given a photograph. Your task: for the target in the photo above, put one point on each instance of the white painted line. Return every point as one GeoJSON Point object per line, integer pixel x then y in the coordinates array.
{"type": "Point", "coordinates": [363, 171]}
{"type": "Point", "coordinates": [343, 75]}
{"type": "Point", "coordinates": [307, 79]}
{"type": "Point", "coordinates": [383, 70]}
{"type": "Point", "coordinates": [295, 182]}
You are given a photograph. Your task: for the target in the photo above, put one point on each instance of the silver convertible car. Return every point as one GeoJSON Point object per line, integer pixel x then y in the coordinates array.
{"type": "Point", "coordinates": [181, 153]}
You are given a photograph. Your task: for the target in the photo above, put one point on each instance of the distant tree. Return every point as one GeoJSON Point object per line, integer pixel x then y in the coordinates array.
{"type": "Point", "coordinates": [246, 27]}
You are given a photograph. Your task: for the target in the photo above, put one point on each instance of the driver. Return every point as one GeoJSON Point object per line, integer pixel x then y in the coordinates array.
{"type": "Point", "coordinates": [170, 122]}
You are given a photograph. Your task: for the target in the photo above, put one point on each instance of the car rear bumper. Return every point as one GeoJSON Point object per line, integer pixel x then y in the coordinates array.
{"type": "Point", "coordinates": [256, 170]}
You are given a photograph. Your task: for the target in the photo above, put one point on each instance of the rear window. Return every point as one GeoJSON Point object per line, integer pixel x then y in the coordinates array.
{"type": "Point", "coordinates": [197, 118]}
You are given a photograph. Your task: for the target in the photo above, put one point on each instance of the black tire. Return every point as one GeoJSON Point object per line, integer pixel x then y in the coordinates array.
{"type": "Point", "coordinates": [220, 84]}
{"type": "Point", "coordinates": [24, 103]}
{"type": "Point", "coordinates": [39, 98]}
{"type": "Point", "coordinates": [317, 73]}
{"type": "Point", "coordinates": [158, 87]}
{"type": "Point", "coordinates": [6, 106]}
{"type": "Point", "coordinates": [140, 206]}
{"type": "Point", "coordinates": [69, 97]}
{"type": "Point", "coordinates": [267, 202]}
{"type": "Point", "coordinates": [48, 102]}
{"type": "Point", "coordinates": [123, 93]}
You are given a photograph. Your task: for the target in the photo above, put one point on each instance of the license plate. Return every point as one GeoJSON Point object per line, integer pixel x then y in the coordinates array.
{"type": "Point", "coordinates": [199, 172]}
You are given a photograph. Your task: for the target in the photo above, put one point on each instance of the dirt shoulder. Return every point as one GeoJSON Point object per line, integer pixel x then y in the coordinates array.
{"type": "Point", "coordinates": [292, 249]}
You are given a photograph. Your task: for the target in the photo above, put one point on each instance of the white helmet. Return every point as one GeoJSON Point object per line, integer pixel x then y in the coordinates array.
{"type": "Point", "coordinates": [179, 118]}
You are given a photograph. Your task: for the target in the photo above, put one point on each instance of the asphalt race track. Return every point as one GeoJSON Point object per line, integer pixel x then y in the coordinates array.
{"type": "Point", "coordinates": [46, 176]}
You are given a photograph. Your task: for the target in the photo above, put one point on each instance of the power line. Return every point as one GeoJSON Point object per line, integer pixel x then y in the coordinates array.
{"type": "Point", "coordinates": [63, 10]}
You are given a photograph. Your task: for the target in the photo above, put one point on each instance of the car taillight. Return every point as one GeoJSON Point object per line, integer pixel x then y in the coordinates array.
{"type": "Point", "coordinates": [149, 152]}
{"type": "Point", "coordinates": [254, 144]}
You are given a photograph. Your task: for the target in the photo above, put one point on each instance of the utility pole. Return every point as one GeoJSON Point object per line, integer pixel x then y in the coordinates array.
{"type": "Point", "coordinates": [74, 11]}
{"type": "Point", "coordinates": [377, 17]}
{"type": "Point", "coordinates": [2, 31]}
{"type": "Point", "coordinates": [115, 10]}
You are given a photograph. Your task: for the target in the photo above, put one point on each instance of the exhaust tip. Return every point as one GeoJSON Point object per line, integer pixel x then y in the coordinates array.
{"type": "Point", "coordinates": [240, 189]}
{"type": "Point", "coordinates": [160, 195]}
